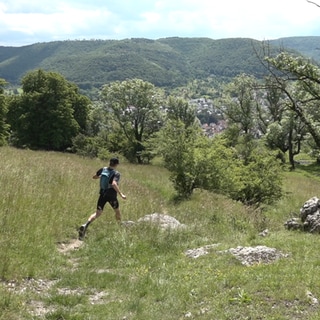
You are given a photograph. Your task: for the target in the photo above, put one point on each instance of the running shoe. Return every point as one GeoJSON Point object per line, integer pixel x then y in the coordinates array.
{"type": "Point", "coordinates": [82, 232]}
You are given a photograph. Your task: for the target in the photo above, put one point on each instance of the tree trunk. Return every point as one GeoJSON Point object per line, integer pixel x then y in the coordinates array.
{"type": "Point", "coordinates": [290, 149]}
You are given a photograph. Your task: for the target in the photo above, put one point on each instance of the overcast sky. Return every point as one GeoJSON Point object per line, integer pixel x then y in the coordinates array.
{"type": "Point", "coordinates": [25, 22]}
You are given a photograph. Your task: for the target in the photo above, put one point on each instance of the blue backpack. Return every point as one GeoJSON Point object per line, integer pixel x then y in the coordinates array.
{"type": "Point", "coordinates": [106, 178]}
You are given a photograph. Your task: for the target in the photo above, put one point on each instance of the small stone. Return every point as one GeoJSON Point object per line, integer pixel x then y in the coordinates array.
{"type": "Point", "coordinates": [264, 233]}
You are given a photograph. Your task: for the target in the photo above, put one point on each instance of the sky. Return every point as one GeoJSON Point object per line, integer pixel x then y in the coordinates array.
{"type": "Point", "coordinates": [24, 22]}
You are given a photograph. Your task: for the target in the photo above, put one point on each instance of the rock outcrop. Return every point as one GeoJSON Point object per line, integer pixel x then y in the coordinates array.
{"type": "Point", "coordinates": [309, 217]}
{"type": "Point", "coordinates": [256, 255]}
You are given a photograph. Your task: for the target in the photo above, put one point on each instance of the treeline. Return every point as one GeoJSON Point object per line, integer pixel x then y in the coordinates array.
{"type": "Point", "coordinates": [269, 120]}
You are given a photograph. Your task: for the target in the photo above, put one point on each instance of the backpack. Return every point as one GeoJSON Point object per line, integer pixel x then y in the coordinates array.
{"type": "Point", "coordinates": [106, 178]}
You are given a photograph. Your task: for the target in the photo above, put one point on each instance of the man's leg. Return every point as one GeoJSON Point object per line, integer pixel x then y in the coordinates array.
{"type": "Point", "coordinates": [115, 206]}
{"type": "Point", "coordinates": [94, 216]}
{"type": "Point", "coordinates": [117, 214]}
{"type": "Point", "coordinates": [83, 228]}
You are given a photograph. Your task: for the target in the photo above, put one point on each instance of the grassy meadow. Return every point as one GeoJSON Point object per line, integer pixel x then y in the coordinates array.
{"type": "Point", "coordinates": [141, 272]}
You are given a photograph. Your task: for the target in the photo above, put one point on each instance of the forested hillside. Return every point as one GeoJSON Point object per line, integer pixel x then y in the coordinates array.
{"type": "Point", "coordinates": [308, 46]}
{"type": "Point", "coordinates": [168, 62]}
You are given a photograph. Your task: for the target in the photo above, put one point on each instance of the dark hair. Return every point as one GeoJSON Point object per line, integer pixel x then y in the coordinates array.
{"type": "Point", "coordinates": [114, 161]}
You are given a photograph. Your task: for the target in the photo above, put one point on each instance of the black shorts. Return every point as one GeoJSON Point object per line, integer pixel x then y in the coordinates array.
{"type": "Point", "coordinates": [110, 195]}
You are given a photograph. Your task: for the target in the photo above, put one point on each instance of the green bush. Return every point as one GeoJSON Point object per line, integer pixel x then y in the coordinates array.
{"type": "Point", "coordinates": [195, 161]}
{"type": "Point", "coordinates": [260, 180]}
{"type": "Point", "coordinates": [87, 146]}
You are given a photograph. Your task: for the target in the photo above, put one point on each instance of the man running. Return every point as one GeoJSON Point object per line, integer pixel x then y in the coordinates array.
{"type": "Point", "coordinates": [108, 193]}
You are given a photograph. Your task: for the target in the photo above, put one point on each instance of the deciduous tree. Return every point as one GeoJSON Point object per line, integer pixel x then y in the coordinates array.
{"type": "Point", "coordinates": [180, 110]}
{"type": "Point", "coordinates": [49, 112]}
{"type": "Point", "coordinates": [304, 100]}
{"type": "Point", "coordinates": [134, 105]}
{"type": "Point", "coordinates": [239, 105]}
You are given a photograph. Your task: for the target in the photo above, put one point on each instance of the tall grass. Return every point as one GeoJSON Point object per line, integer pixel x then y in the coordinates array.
{"type": "Point", "coordinates": [141, 272]}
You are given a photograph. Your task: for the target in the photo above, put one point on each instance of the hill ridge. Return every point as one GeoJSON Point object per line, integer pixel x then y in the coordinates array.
{"type": "Point", "coordinates": [165, 62]}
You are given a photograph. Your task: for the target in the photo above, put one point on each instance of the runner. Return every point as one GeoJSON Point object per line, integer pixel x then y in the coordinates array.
{"type": "Point", "coordinates": [108, 193]}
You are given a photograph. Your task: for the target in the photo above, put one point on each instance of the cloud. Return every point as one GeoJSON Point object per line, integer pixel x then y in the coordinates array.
{"type": "Point", "coordinates": [24, 22]}
{"type": "Point", "coordinates": [65, 22]}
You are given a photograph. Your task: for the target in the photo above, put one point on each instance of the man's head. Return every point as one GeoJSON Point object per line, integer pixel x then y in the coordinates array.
{"type": "Point", "coordinates": [114, 162]}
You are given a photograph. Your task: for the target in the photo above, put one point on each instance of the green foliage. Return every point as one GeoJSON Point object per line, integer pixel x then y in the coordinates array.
{"type": "Point", "coordinates": [277, 137]}
{"type": "Point", "coordinates": [88, 146]}
{"type": "Point", "coordinates": [286, 135]}
{"type": "Point", "coordinates": [176, 143]}
{"type": "Point", "coordinates": [179, 109]}
{"type": "Point", "coordinates": [261, 179]}
{"type": "Point", "coordinates": [195, 161]}
{"type": "Point", "coordinates": [133, 105]}
{"type": "Point", "coordinates": [219, 57]}
{"type": "Point", "coordinates": [307, 46]}
{"type": "Point", "coordinates": [49, 112]}
{"type": "Point", "coordinates": [298, 79]}
{"type": "Point", "coordinates": [253, 181]}
{"type": "Point", "coordinates": [4, 127]}
{"type": "Point", "coordinates": [238, 103]}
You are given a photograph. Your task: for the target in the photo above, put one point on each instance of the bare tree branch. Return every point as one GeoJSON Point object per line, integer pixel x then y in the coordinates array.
{"type": "Point", "coordinates": [313, 3]}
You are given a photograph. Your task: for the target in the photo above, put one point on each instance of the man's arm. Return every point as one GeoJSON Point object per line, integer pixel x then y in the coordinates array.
{"type": "Point", "coordinates": [116, 187]}
{"type": "Point", "coordinates": [98, 174]}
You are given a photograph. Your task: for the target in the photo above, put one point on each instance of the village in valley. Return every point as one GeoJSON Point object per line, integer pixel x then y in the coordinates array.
{"type": "Point", "coordinates": [210, 117]}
